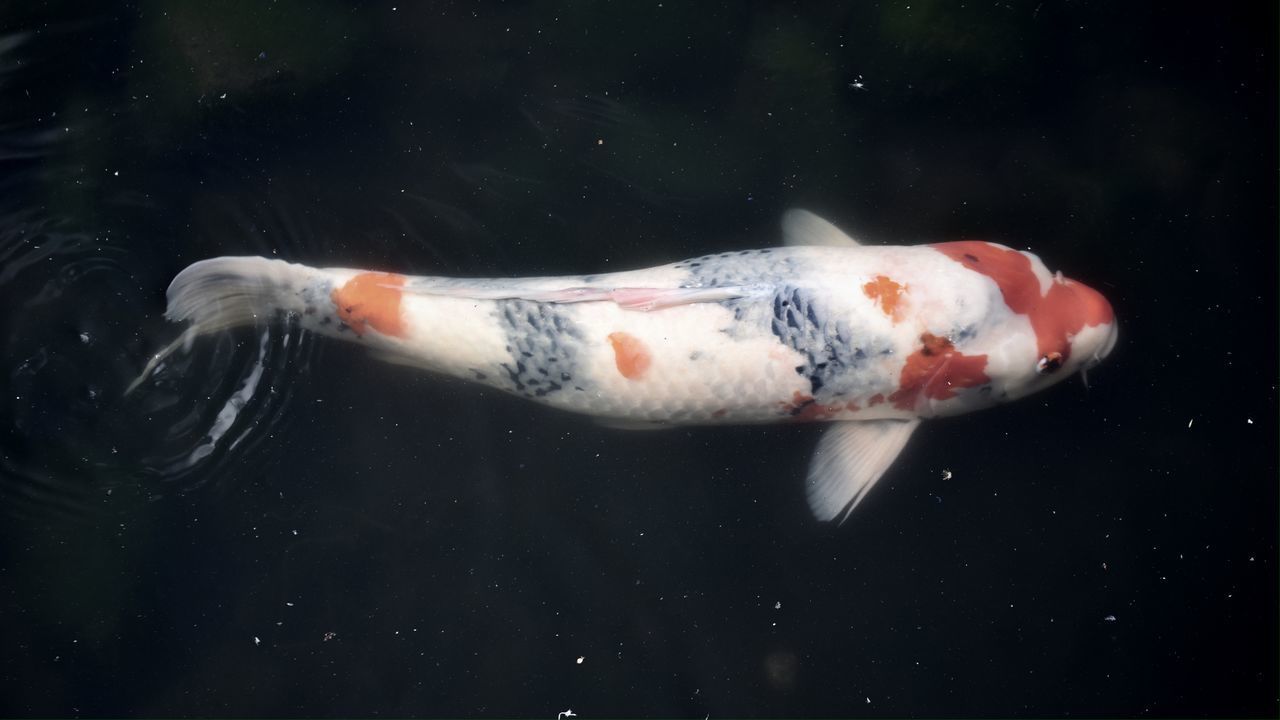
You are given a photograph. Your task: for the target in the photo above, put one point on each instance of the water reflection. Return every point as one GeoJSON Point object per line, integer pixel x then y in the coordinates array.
{"type": "Point", "coordinates": [75, 437]}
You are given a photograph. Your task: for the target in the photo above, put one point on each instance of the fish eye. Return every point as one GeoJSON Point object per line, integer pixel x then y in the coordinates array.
{"type": "Point", "coordinates": [1049, 363]}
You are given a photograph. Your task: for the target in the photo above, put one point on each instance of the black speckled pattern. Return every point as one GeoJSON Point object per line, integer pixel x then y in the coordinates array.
{"type": "Point", "coordinates": [743, 267]}
{"type": "Point", "coordinates": [833, 356]}
{"type": "Point", "coordinates": [544, 344]}
{"type": "Point", "coordinates": [317, 305]}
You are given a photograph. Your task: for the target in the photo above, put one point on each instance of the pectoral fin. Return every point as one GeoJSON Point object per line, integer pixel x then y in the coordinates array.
{"type": "Point", "coordinates": [633, 425]}
{"type": "Point", "coordinates": [801, 227]}
{"type": "Point", "coordinates": [850, 458]}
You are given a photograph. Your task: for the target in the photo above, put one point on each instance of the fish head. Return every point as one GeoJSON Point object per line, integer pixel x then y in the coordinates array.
{"type": "Point", "coordinates": [1042, 327]}
{"type": "Point", "coordinates": [1071, 329]}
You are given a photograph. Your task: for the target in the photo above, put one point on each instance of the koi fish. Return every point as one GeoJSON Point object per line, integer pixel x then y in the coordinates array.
{"type": "Point", "coordinates": [868, 339]}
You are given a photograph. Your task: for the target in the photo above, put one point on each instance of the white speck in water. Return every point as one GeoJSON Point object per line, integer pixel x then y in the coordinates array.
{"type": "Point", "coordinates": [777, 605]}
{"type": "Point", "coordinates": [1192, 420]}
{"type": "Point", "coordinates": [256, 640]}
{"type": "Point", "coordinates": [84, 338]}
{"type": "Point", "coordinates": [946, 474]}
{"type": "Point", "coordinates": [581, 658]}
{"type": "Point", "coordinates": [1110, 618]}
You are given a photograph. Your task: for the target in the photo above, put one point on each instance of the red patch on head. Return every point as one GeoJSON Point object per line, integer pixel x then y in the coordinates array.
{"type": "Point", "coordinates": [1055, 316]}
{"type": "Point", "coordinates": [630, 355]}
{"type": "Point", "coordinates": [371, 300]}
{"type": "Point", "coordinates": [886, 293]}
{"type": "Point", "coordinates": [935, 371]}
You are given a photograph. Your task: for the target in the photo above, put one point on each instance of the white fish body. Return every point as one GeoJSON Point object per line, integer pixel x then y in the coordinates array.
{"type": "Point", "coordinates": [823, 329]}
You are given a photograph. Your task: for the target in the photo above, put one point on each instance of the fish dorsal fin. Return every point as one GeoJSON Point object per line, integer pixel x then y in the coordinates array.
{"type": "Point", "coordinates": [628, 298]}
{"type": "Point", "coordinates": [851, 457]}
{"type": "Point", "coordinates": [801, 227]}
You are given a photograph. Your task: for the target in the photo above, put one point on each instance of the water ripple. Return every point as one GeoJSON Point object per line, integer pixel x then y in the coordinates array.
{"type": "Point", "coordinates": [84, 319]}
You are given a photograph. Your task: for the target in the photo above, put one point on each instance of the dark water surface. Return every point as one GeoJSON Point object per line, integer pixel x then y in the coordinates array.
{"type": "Point", "coordinates": [277, 524]}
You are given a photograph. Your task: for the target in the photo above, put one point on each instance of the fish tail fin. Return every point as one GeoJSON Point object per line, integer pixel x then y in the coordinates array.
{"type": "Point", "coordinates": [227, 292]}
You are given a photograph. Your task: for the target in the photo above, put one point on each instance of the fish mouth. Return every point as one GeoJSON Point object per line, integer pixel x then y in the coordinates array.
{"type": "Point", "coordinates": [1109, 344]}
{"type": "Point", "coordinates": [1113, 336]}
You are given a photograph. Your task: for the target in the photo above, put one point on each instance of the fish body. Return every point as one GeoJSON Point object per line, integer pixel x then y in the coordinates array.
{"type": "Point", "coordinates": [871, 338]}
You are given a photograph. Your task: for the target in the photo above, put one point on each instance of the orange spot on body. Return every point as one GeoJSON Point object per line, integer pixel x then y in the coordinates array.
{"type": "Point", "coordinates": [935, 371]}
{"type": "Point", "coordinates": [371, 300]}
{"type": "Point", "coordinates": [797, 401]}
{"type": "Point", "coordinates": [886, 293]}
{"type": "Point", "coordinates": [803, 408]}
{"type": "Point", "coordinates": [875, 400]}
{"type": "Point", "coordinates": [1056, 316]}
{"type": "Point", "coordinates": [630, 355]}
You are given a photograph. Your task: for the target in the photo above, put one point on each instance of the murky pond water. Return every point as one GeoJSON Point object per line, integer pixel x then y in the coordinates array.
{"type": "Point", "coordinates": [276, 523]}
